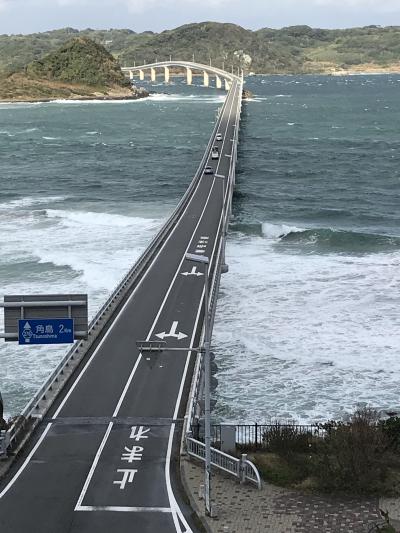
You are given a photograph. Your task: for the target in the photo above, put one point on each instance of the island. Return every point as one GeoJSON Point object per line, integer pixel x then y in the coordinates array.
{"type": "Point", "coordinates": [80, 69]}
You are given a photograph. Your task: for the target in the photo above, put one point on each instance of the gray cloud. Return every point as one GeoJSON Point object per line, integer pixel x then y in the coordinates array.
{"type": "Point", "coordinates": [156, 15]}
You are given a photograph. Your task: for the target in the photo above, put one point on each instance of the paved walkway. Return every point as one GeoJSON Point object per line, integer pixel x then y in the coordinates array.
{"type": "Point", "coordinates": [243, 508]}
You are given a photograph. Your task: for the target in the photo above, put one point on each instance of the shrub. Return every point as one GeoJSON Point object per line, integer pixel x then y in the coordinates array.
{"type": "Point", "coordinates": [286, 439]}
{"type": "Point", "coordinates": [391, 428]}
{"type": "Point", "coordinates": [353, 455]}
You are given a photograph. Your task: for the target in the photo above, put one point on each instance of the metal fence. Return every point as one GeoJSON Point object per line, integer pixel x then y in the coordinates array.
{"type": "Point", "coordinates": [260, 436]}
{"type": "Point", "coordinates": [242, 468]}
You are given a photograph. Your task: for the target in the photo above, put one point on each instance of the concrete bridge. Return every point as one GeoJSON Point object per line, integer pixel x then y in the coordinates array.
{"type": "Point", "coordinates": [222, 77]}
{"type": "Point", "coordinates": [106, 429]}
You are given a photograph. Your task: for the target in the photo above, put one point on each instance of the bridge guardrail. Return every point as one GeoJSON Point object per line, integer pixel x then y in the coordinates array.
{"type": "Point", "coordinates": [242, 468]}
{"type": "Point", "coordinates": [197, 382]}
{"type": "Point", "coordinates": [3, 443]}
{"type": "Point", "coordinates": [80, 348]}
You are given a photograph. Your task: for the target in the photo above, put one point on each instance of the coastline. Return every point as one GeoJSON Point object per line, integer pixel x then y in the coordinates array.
{"type": "Point", "coordinates": [76, 99]}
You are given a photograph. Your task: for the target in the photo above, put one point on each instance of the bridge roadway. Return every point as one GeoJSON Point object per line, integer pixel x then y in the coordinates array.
{"type": "Point", "coordinates": [106, 457]}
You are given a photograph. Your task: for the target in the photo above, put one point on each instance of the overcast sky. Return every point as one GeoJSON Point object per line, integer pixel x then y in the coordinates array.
{"type": "Point", "coordinates": [26, 16]}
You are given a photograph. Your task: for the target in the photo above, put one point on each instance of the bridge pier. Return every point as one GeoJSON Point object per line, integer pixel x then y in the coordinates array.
{"type": "Point", "coordinates": [166, 74]}
{"type": "Point", "coordinates": [189, 76]}
{"type": "Point", "coordinates": [206, 79]}
{"type": "Point", "coordinates": [153, 74]}
{"type": "Point", "coordinates": [131, 75]}
{"type": "Point", "coordinates": [141, 75]}
{"type": "Point", "coordinates": [227, 85]}
{"type": "Point", "coordinates": [218, 82]}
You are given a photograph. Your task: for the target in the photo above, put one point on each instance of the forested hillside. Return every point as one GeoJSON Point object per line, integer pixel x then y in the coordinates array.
{"type": "Point", "coordinates": [295, 49]}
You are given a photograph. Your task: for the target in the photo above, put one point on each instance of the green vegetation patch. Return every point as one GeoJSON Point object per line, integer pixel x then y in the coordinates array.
{"type": "Point", "coordinates": [80, 60]}
{"type": "Point", "coordinates": [359, 457]}
{"type": "Point", "coordinates": [295, 49]}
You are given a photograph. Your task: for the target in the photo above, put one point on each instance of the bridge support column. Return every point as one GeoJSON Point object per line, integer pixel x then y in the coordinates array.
{"type": "Point", "coordinates": [218, 82]}
{"type": "Point", "coordinates": [189, 76]}
{"type": "Point", "coordinates": [153, 74]}
{"type": "Point", "coordinates": [131, 75]}
{"type": "Point", "coordinates": [141, 75]}
{"type": "Point", "coordinates": [224, 266]}
{"type": "Point", "coordinates": [227, 85]}
{"type": "Point", "coordinates": [206, 79]}
{"type": "Point", "coordinates": [166, 74]}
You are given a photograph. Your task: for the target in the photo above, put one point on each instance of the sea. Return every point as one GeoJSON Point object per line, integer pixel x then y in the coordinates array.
{"type": "Point", "coordinates": [307, 324]}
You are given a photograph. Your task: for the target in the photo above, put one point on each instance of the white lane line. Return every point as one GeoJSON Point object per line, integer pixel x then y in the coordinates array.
{"type": "Point", "coordinates": [138, 285]}
{"type": "Point", "coordinates": [83, 371]}
{"type": "Point", "coordinates": [19, 472]}
{"type": "Point", "coordinates": [116, 508]}
{"type": "Point", "coordinates": [176, 511]}
{"type": "Point", "coordinates": [26, 462]}
{"type": "Point", "coordinates": [93, 467]}
{"type": "Point", "coordinates": [128, 383]}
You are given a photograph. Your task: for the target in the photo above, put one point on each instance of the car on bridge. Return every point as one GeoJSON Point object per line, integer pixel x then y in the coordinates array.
{"type": "Point", "coordinates": [215, 153]}
{"type": "Point", "coordinates": [218, 137]}
{"type": "Point", "coordinates": [209, 170]}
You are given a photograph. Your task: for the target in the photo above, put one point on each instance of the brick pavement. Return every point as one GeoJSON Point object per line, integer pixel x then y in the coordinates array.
{"type": "Point", "coordinates": [243, 508]}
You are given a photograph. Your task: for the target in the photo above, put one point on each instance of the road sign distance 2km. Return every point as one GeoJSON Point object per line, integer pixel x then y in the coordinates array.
{"type": "Point", "coordinates": [46, 331]}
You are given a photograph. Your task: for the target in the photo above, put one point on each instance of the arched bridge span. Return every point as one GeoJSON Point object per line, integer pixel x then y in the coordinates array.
{"type": "Point", "coordinates": [221, 76]}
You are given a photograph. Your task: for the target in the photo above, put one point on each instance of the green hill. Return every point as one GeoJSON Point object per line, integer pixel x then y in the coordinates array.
{"type": "Point", "coordinates": [80, 68]}
{"type": "Point", "coordinates": [80, 60]}
{"type": "Point", "coordinates": [296, 49]}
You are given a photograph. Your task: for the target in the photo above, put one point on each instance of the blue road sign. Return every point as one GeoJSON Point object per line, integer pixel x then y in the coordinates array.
{"type": "Point", "coordinates": [46, 331]}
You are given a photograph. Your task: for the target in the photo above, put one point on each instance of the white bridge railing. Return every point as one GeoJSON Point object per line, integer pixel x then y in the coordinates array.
{"type": "Point", "coordinates": [242, 468]}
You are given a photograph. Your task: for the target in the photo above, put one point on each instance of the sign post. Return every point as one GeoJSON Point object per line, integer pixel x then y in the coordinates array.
{"type": "Point", "coordinates": [45, 319]}
{"type": "Point", "coordinates": [46, 331]}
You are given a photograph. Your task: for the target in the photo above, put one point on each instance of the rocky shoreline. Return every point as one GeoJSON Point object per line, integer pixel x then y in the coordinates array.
{"type": "Point", "coordinates": [114, 95]}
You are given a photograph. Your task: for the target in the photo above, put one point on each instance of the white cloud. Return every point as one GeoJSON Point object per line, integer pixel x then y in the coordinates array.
{"type": "Point", "coordinates": [140, 6]}
{"type": "Point", "coordinates": [375, 5]}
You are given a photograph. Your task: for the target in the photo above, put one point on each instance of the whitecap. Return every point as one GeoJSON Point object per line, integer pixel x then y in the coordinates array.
{"type": "Point", "coordinates": [277, 231]}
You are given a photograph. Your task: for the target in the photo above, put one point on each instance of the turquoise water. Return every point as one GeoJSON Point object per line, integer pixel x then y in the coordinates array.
{"type": "Point", "coordinates": [307, 322]}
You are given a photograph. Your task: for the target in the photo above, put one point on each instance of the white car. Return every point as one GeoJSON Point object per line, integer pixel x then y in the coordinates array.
{"type": "Point", "coordinates": [215, 153]}
{"type": "Point", "coordinates": [218, 137]}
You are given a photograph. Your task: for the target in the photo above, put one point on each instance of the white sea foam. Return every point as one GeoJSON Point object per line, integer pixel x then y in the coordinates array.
{"type": "Point", "coordinates": [93, 101]}
{"type": "Point", "coordinates": [58, 251]}
{"type": "Point", "coordinates": [192, 98]}
{"type": "Point", "coordinates": [305, 336]}
{"type": "Point", "coordinates": [29, 201]}
{"type": "Point", "coordinates": [276, 231]}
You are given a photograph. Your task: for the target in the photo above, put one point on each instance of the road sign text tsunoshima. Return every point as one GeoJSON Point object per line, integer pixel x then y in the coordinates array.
{"type": "Point", "coordinates": [46, 331]}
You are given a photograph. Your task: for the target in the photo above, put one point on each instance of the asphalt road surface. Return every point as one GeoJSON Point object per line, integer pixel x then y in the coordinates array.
{"type": "Point", "coordinates": [106, 458]}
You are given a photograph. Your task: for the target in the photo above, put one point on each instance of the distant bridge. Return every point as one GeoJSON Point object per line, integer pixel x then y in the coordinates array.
{"type": "Point", "coordinates": [188, 67]}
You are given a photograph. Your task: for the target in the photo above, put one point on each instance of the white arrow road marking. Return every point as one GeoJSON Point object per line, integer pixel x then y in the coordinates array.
{"type": "Point", "coordinates": [219, 176]}
{"type": "Point", "coordinates": [172, 333]}
{"type": "Point", "coordinates": [193, 272]}
{"type": "Point", "coordinates": [228, 155]}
